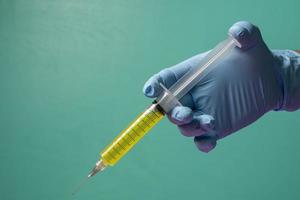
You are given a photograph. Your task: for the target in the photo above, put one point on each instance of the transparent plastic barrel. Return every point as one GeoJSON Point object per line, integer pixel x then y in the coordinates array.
{"type": "Point", "coordinates": [194, 75]}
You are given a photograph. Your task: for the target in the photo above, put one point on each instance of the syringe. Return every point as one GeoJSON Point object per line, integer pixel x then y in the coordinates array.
{"type": "Point", "coordinates": [168, 99]}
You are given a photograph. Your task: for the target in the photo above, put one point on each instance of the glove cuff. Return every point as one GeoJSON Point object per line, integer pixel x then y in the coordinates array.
{"type": "Point", "coordinates": [288, 66]}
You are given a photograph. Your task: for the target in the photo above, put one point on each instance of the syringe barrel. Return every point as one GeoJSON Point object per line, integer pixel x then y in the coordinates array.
{"type": "Point", "coordinates": [164, 103]}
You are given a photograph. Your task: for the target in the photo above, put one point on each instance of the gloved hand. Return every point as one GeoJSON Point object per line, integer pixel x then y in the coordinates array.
{"type": "Point", "coordinates": [249, 82]}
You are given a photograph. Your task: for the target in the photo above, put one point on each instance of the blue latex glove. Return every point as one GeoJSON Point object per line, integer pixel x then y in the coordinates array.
{"type": "Point", "coordinates": [245, 85]}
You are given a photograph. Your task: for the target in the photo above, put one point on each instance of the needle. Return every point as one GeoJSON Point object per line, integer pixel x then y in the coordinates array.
{"type": "Point", "coordinates": [100, 166]}
{"type": "Point", "coordinates": [82, 183]}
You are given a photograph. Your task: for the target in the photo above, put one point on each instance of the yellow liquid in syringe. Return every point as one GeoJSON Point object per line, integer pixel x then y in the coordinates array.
{"type": "Point", "coordinates": [131, 135]}
{"type": "Point", "coordinates": [127, 139]}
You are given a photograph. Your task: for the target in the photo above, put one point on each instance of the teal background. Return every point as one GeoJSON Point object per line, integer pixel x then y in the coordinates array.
{"type": "Point", "coordinates": [71, 74]}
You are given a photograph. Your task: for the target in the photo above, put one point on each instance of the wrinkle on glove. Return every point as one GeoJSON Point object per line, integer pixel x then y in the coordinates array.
{"type": "Point", "coordinates": [288, 63]}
